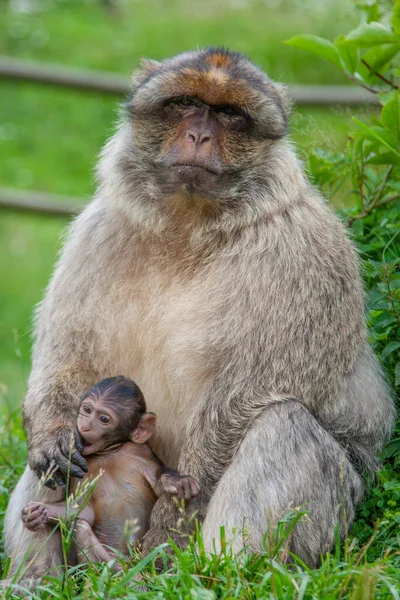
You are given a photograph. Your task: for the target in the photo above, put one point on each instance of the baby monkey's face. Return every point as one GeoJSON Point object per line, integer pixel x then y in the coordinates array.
{"type": "Point", "coordinates": [97, 425]}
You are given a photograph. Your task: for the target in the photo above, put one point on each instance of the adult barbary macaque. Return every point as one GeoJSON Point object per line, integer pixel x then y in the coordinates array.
{"type": "Point", "coordinates": [115, 429]}
{"type": "Point", "coordinates": [211, 272]}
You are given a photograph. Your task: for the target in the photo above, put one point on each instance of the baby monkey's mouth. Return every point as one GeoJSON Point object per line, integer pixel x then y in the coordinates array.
{"type": "Point", "coordinates": [85, 442]}
{"type": "Point", "coordinates": [88, 447]}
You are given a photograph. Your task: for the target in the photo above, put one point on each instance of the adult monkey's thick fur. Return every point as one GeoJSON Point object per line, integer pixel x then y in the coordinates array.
{"type": "Point", "coordinates": [232, 295]}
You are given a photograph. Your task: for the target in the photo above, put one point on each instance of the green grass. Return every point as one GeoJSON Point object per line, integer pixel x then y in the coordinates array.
{"type": "Point", "coordinates": [49, 140]}
{"type": "Point", "coordinates": [194, 574]}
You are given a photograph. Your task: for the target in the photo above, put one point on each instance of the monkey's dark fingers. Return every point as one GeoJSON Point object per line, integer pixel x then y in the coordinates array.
{"type": "Point", "coordinates": [50, 483]}
{"type": "Point", "coordinates": [40, 465]}
{"type": "Point", "coordinates": [31, 504]}
{"type": "Point", "coordinates": [174, 490]}
{"type": "Point", "coordinates": [36, 525]}
{"type": "Point", "coordinates": [70, 455]}
{"type": "Point", "coordinates": [78, 459]}
{"type": "Point", "coordinates": [78, 442]}
{"type": "Point", "coordinates": [65, 467]}
{"type": "Point", "coordinates": [31, 514]}
{"type": "Point", "coordinates": [194, 487]}
{"type": "Point", "coordinates": [45, 466]}
{"type": "Point", "coordinates": [187, 488]}
{"type": "Point", "coordinates": [59, 479]}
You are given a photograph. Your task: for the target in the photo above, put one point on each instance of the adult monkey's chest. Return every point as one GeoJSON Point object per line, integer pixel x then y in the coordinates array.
{"type": "Point", "coordinates": [159, 335]}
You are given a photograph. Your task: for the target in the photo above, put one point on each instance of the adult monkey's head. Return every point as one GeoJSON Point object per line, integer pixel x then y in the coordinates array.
{"type": "Point", "coordinates": [199, 127]}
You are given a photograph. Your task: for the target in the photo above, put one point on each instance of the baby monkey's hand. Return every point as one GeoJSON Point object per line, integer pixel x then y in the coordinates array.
{"type": "Point", "coordinates": [181, 486]}
{"type": "Point", "coordinates": [35, 516]}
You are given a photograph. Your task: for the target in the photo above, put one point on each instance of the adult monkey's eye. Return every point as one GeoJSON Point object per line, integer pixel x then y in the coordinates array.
{"type": "Point", "coordinates": [231, 111]}
{"type": "Point", "coordinates": [105, 420]}
{"type": "Point", "coordinates": [186, 101]}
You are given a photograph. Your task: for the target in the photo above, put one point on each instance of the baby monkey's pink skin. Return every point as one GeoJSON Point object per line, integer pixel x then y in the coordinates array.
{"type": "Point", "coordinates": [132, 480]}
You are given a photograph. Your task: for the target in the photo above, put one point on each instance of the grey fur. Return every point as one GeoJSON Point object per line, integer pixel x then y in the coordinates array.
{"type": "Point", "coordinates": [244, 329]}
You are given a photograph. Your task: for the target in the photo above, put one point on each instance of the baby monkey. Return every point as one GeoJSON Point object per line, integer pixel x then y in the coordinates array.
{"type": "Point", "coordinates": [115, 428]}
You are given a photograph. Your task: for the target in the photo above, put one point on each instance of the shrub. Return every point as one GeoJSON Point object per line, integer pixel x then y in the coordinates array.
{"type": "Point", "coordinates": [369, 171]}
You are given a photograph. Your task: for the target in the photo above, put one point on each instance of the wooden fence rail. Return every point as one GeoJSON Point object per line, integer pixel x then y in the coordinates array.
{"type": "Point", "coordinates": [98, 81]}
{"type": "Point", "coordinates": [113, 83]}
{"type": "Point", "coordinates": [39, 202]}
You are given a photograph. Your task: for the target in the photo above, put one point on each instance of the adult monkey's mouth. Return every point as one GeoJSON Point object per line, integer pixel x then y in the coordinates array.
{"type": "Point", "coordinates": [193, 166]}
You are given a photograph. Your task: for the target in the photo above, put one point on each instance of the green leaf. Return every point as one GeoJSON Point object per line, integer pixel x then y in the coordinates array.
{"type": "Point", "coordinates": [396, 17]}
{"type": "Point", "coordinates": [371, 9]}
{"type": "Point", "coordinates": [384, 320]}
{"type": "Point", "coordinates": [390, 116]}
{"type": "Point", "coordinates": [379, 56]}
{"type": "Point", "coordinates": [349, 53]}
{"type": "Point", "coordinates": [384, 158]}
{"type": "Point", "coordinates": [377, 133]}
{"type": "Point", "coordinates": [385, 97]}
{"type": "Point", "coordinates": [371, 34]}
{"type": "Point", "coordinates": [394, 285]}
{"type": "Point", "coordinates": [390, 348]}
{"type": "Point", "coordinates": [397, 374]}
{"type": "Point", "coordinates": [317, 45]}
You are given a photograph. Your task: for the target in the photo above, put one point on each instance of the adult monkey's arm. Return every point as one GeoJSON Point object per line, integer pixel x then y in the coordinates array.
{"type": "Point", "coordinates": [50, 422]}
{"type": "Point", "coordinates": [62, 366]}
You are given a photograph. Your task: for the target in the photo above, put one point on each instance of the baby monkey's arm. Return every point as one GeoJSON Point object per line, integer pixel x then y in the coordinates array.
{"type": "Point", "coordinates": [38, 515]}
{"type": "Point", "coordinates": [164, 480]}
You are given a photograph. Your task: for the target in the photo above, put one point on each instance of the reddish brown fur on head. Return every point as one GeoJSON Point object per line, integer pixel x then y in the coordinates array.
{"type": "Point", "coordinates": [199, 122]}
{"type": "Point", "coordinates": [217, 77]}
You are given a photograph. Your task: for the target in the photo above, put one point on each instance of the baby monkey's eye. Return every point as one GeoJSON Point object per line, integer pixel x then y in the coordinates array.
{"type": "Point", "coordinates": [105, 420]}
{"type": "Point", "coordinates": [86, 409]}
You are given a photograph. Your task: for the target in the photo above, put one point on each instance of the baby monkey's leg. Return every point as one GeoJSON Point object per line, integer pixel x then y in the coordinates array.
{"type": "Point", "coordinates": [88, 547]}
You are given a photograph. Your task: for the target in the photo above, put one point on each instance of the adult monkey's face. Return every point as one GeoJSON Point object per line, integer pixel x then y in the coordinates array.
{"type": "Point", "coordinates": [203, 121]}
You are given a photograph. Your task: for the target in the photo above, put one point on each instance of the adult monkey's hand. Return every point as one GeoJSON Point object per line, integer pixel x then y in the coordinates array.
{"type": "Point", "coordinates": [58, 458]}
{"type": "Point", "coordinates": [54, 442]}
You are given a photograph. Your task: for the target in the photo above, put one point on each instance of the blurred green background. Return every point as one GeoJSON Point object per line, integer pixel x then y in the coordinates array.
{"type": "Point", "coordinates": [50, 137]}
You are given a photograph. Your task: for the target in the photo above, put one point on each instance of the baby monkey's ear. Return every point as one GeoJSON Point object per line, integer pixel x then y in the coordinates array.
{"type": "Point", "coordinates": [145, 429]}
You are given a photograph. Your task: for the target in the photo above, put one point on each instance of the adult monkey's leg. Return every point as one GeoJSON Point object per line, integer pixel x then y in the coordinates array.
{"type": "Point", "coordinates": [216, 431]}
{"type": "Point", "coordinates": [50, 412]}
{"type": "Point", "coordinates": [32, 554]}
{"type": "Point", "coordinates": [286, 460]}
{"type": "Point", "coordinates": [283, 459]}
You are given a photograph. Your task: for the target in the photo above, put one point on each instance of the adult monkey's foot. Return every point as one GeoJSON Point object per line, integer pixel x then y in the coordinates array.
{"type": "Point", "coordinates": [170, 520]}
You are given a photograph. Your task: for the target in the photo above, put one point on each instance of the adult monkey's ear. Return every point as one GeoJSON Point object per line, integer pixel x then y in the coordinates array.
{"type": "Point", "coordinates": [145, 429]}
{"type": "Point", "coordinates": [147, 67]}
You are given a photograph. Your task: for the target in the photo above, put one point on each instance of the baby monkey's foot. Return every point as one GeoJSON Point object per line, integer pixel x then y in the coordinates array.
{"type": "Point", "coordinates": [37, 516]}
